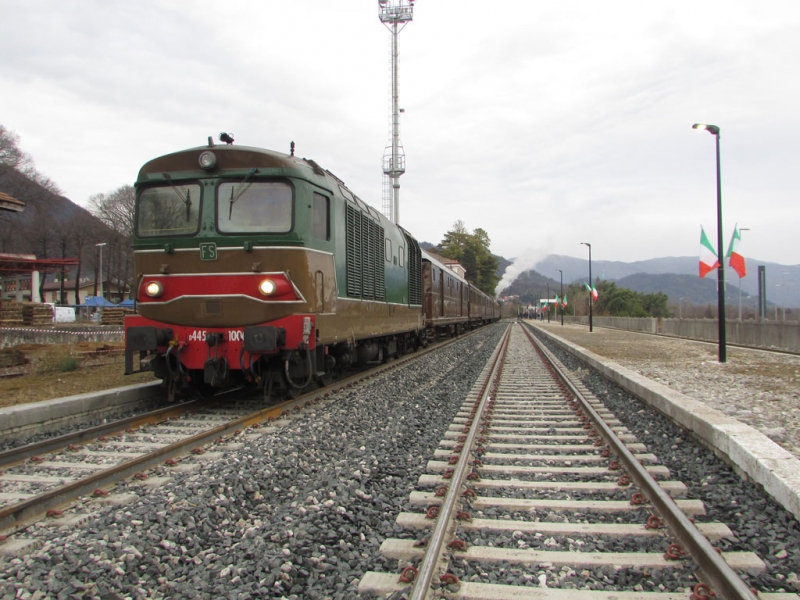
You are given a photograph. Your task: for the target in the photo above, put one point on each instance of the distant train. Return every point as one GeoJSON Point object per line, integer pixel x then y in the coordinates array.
{"type": "Point", "coordinates": [261, 268]}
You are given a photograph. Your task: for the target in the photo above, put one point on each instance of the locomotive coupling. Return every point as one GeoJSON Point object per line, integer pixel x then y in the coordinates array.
{"type": "Point", "coordinates": [264, 339]}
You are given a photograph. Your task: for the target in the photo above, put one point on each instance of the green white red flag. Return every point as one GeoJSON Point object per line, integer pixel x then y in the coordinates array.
{"type": "Point", "coordinates": [736, 260]}
{"type": "Point", "coordinates": [591, 290]}
{"type": "Point", "coordinates": [564, 301]}
{"type": "Point", "coordinates": [708, 258]}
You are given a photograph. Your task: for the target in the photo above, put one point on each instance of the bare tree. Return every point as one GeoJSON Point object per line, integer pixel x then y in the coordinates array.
{"type": "Point", "coordinates": [116, 210]}
{"type": "Point", "coordinates": [13, 156]}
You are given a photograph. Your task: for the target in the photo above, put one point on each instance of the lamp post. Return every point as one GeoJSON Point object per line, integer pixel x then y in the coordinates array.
{"type": "Point", "coordinates": [100, 245]}
{"type": "Point", "coordinates": [548, 302]}
{"type": "Point", "coordinates": [741, 229]}
{"type": "Point", "coordinates": [561, 274]}
{"type": "Point", "coordinates": [714, 130]}
{"type": "Point", "coordinates": [591, 296]}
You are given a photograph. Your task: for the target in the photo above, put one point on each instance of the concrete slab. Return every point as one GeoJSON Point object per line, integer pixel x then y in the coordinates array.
{"type": "Point", "coordinates": [14, 548]}
{"type": "Point", "coordinates": [406, 550]}
{"type": "Point", "coordinates": [673, 488]}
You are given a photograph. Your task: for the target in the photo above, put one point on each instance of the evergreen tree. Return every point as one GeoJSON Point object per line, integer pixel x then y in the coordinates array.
{"type": "Point", "coordinates": [471, 250]}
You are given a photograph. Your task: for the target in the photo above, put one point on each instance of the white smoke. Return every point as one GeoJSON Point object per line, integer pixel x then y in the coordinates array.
{"type": "Point", "coordinates": [529, 259]}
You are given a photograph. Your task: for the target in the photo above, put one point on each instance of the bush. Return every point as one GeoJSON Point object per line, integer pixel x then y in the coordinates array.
{"type": "Point", "coordinates": [68, 364]}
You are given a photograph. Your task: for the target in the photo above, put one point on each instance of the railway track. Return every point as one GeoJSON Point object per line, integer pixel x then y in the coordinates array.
{"type": "Point", "coordinates": [42, 478]}
{"type": "Point", "coordinates": [538, 492]}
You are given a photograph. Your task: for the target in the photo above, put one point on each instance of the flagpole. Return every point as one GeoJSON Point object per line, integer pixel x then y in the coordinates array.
{"type": "Point", "coordinates": [740, 230]}
{"type": "Point", "coordinates": [562, 295]}
{"type": "Point", "coordinates": [591, 296]}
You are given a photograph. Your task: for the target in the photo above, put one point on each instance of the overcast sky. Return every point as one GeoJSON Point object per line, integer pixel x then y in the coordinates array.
{"type": "Point", "coordinates": [546, 124]}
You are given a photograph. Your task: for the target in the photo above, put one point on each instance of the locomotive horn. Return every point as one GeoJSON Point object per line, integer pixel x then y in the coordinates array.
{"type": "Point", "coordinates": [225, 137]}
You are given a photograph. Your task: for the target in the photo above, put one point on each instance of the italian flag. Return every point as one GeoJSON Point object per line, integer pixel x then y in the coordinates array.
{"type": "Point", "coordinates": [591, 290]}
{"type": "Point", "coordinates": [736, 260]}
{"type": "Point", "coordinates": [564, 301]}
{"type": "Point", "coordinates": [708, 258]}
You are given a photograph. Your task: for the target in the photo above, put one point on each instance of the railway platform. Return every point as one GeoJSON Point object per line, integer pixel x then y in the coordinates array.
{"type": "Point", "coordinates": [747, 410]}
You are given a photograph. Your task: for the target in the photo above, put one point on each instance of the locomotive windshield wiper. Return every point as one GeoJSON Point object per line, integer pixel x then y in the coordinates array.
{"type": "Point", "coordinates": [187, 200]}
{"type": "Point", "coordinates": [239, 191]}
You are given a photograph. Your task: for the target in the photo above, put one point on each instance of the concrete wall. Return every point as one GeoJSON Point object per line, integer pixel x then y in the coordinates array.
{"type": "Point", "coordinates": [784, 335]}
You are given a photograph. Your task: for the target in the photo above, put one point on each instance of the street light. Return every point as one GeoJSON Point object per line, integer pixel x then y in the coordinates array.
{"type": "Point", "coordinates": [100, 245]}
{"type": "Point", "coordinates": [714, 130]}
{"type": "Point", "coordinates": [562, 295]}
{"type": "Point", "coordinates": [591, 296]}
{"type": "Point", "coordinates": [741, 229]}
{"type": "Point", "coordinates": [548, 302]}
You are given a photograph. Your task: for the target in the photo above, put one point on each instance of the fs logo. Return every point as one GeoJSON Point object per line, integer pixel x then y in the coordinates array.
{"type": "Point", "coordinates": [208, 251]}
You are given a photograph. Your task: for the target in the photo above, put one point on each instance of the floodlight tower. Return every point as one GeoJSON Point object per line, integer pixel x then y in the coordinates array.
{"type": "Point", "coordinates": [394, 14]}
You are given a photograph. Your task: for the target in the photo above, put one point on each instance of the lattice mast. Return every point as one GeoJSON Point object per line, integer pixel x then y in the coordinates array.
{"type": "Point", "coordinates": [394, 14]}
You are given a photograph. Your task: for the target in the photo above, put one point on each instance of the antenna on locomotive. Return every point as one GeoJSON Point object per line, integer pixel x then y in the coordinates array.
{"type": "Point", "coordinates": [210, 142]}
{"type": "Point", "coordinates": [291, 149]}
{"type": "Point", "coordinates": [226, 137]}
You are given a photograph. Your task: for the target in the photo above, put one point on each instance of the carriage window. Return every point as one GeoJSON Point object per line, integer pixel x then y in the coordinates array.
{"type": "Point", "coordinates": [254, 206]}
{"type": "Point", "coordinates": [388, 251]}
{"type": "Point", "coordinates": [320, 215]}
{"type": "Point", "coordinates": [168, 210]}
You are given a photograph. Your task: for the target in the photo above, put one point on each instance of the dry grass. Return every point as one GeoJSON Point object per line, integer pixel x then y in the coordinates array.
{"type": "Point", "coordinates": [57, 370]}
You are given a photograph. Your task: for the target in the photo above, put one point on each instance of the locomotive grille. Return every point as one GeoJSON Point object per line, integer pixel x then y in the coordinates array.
{"type": "Point", "coordinates": [414, 271]}
{"type": "Point", "coordinates": [364, 257]}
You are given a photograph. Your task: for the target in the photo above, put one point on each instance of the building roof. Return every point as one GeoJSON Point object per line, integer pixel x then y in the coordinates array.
{"type": "Point", "coordinates": [11, 204]}
{"type": "Point", "coordinates": [17, 264]}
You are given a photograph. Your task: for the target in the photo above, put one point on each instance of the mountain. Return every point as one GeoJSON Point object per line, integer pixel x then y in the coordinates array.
{"type": "Point", "coordinates": [50, 226]}
{"type": "Point", "coordinates": [675, 276]}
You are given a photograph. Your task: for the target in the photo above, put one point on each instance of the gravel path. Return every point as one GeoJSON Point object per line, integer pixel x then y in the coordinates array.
{"type": "Point", "coordinates": [756, 387]}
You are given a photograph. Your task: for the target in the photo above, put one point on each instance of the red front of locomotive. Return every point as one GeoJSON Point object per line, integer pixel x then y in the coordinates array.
{"type": "Point", "coordinates": [185, 350]}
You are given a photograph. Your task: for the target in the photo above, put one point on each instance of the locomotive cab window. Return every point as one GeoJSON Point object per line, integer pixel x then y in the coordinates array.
{"type": "Point", "coordinates": [320, 217]}
{"type": "Point", "coordinates": [168, 210]}
{"type": "Point", "coordinates": [401, 256]}
{"type": "Point", "coordinates": [254, 206]}
{"type": "Point", "coordinates": [388, 250]}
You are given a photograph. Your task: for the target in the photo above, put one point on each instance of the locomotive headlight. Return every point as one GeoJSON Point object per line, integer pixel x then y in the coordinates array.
{"type": "Point", "coordinates": [267, 287]}
{"type": "Point", "coordinates": [154, 289]}
{"type": "Point", "coordinates": [207, 160]}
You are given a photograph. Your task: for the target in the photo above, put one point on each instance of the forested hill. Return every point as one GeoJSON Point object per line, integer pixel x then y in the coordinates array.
{"type": "Point", "coordinates": [48, 218]}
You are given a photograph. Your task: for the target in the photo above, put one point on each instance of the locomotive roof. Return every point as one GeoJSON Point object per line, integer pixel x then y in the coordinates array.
{"type": "Point", "coordinates": [233, 157]}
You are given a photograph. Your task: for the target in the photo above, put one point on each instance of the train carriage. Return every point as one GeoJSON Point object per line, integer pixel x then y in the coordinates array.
{"type": "Point", "coordinates": [445, 297]}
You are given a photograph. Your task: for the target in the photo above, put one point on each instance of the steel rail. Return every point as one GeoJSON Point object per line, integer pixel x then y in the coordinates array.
{"type": "Point", "coordinates": [714, 570]}
{"type": "Point", "coordinates": [17, 455]}
{"type": "Point", "coordinates": [431, 560]}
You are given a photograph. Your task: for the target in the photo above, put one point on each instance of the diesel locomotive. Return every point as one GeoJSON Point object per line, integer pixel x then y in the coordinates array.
{"type": "Point", "coordinates": [259, 268]}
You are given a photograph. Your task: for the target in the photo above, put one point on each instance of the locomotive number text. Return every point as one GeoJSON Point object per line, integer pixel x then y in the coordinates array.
{"type": "Point", "coordinates": [232, 335]}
